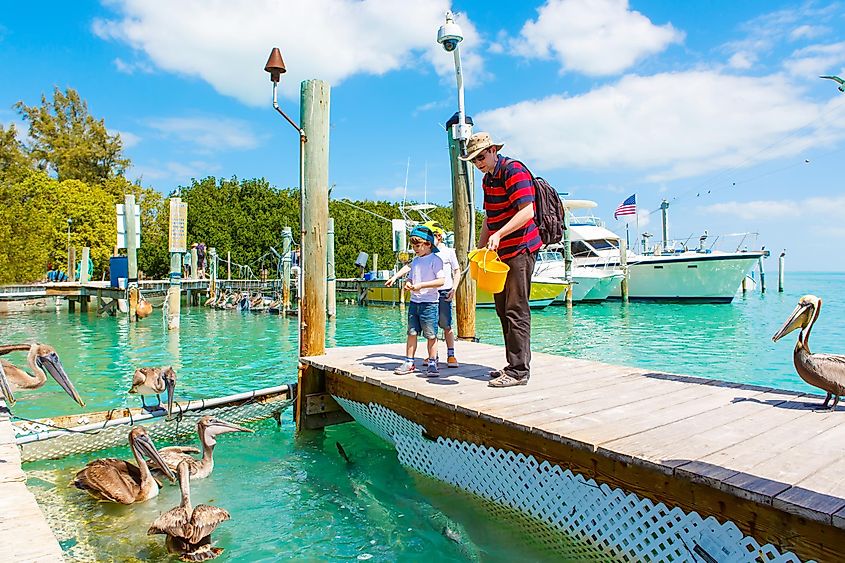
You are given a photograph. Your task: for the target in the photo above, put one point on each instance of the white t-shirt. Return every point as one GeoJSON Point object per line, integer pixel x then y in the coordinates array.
{"type": "Point", "coordinates": [450, 264]}
{"type": "Point", "coordinates": [425, 269]}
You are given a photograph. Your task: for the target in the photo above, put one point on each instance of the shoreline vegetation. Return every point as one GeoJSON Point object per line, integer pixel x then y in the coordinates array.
{"type": "Point", "coordinates": [59, 186]}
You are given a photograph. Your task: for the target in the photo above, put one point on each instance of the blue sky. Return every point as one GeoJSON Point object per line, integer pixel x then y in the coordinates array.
{"type": "Point", "coordinates": [716, 106]}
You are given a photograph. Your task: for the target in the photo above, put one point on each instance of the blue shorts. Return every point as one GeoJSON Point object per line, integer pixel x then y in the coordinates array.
{"type": "Point", "coordinates": [422, 319]}
{"type": "Point", "coordinates": [445, 310]}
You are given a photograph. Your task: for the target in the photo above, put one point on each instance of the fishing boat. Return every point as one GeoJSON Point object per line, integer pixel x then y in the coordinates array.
{"type": "Point", "coordinates": [670, 273]}
{"type": "Point", "coordinates": [59, 436]}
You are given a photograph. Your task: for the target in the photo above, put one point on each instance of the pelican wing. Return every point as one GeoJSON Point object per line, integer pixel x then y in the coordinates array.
{"type": "Point", "coordinates": [205, 519]}
{"type": "Point", "coordinates": [174, 522]}
{"type": "Point", "coordinates": [179, 450]}
{"type": "Point", "coordinates": [174, 455]}
{"type": "Point", "coordinates": [110, 479]}
{"type": "Point", "coordinates": [832, 366]}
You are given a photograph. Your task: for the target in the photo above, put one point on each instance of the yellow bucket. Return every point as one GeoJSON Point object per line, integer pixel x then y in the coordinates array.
{"type": "Point", "coordinates": [487, 270]}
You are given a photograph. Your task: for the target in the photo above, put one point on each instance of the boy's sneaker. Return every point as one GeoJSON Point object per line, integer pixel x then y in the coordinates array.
{"type": "Point", "coordinates": [405, 368]}
{"type": "Point", "coordinates": [432, 370]}
{"type": "Point", "coordinates": [452, 362]}
{"type": "Point", "coordinates": [427, 360]}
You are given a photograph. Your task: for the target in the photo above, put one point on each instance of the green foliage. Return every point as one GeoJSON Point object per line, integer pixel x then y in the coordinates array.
{"type": "Point", "coordinates": [69, 142]}
{"type": "Point", "coordinates": [24, 231]}
{"type": "Point", "coordinates": [13, 159]}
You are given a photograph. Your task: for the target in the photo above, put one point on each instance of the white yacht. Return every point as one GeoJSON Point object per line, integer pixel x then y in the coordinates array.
{"type": "Point", "coordinates": [672, 274]}
{"type": "Point", "coordinates": [590, 284]}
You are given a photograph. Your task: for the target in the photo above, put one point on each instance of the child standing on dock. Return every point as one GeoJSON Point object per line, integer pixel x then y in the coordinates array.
{"type": "Point", "coordinates": [426, 276]}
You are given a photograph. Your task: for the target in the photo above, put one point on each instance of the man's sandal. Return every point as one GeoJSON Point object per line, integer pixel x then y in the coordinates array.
{"type": "Point", "coordinates": [507, 381]}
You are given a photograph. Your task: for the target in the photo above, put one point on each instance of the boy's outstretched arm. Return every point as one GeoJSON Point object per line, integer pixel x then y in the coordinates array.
{"type": "Point", "coordinates": [402, 271]}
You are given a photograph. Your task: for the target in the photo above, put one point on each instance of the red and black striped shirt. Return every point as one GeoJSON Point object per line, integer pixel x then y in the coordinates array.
{"type": "Point", "coordinates": [506, 189]}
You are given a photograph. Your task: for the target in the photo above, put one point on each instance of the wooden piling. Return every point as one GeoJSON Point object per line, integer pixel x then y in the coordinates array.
{"type": "Point", "coordinates": [228, 266]}
{"type": "Point", "coordinates": [462, 185]}
{"type": "Point", "coordinates": [331, 284]}
{"type": "Point", "coordinates": [83, 265]}
{"type": "Point", "coordinates": [762, 275]}
{"type": "Point", "coordinates": [623, 262]}
{"type": "Point", "coordinates": [781, 270]}
{"type": "Point", "coordinates": [567, 255]}
{"type": "Point", "coordinates": [194, 266]}
{"type": "Point", "coordinates": [287, 243]}
{"type": "Point", "coordinates": [133, 303]}
{"type": "Point", "coordinates": [314, 117]}
{"type": "Point", "coordinates": [132, 255]}
{"type": "Point", "coordinates": [174, 301]}
{"type": "Point", "coordinates": [71, 267]}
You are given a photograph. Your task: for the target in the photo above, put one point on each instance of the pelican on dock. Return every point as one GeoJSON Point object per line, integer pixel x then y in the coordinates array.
{"type": "Point", "coordinates": [825, 371]}
{"type": "Point", "coordinates": [117, 480]}
{"type": "Point", "coordinates": [208, 429]}
{"type": "Point", "coordinates": [188, 529]}
{"type": "Point", "coordinates": [154, 381]}
{"type": "Point", "coordinates": [40, 358]}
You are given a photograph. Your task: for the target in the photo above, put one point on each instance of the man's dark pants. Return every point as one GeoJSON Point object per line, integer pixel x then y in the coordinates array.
{"type": "Point", "coordinates": [515, 315]}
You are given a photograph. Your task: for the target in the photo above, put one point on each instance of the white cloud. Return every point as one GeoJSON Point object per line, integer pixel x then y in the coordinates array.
{"type": "Point", "coordinates": [397, 193]}
{"type": "Point", "coordinates": [816, 208]}
{"type": "Point", "coordinates": [807, 32]}
{"type": "Point", "coordinates": [594, 37]}
{"type": "Point", "coordinates": [669, 125]}
{"type": "Point", "coordinates": [130, 68]}
{"type": "Point", "coordinates": [226, 42]}
{"type": "Point", "coordinates": [208, 133]}
{"type": "Point", "coordinates": [129, 139]}
{"type": "Point", "coordinates": [816, 59]}
{"type": "Point", "coordinates": [176, 172]}
{"type": "Point", "coordinates": [742, 60]}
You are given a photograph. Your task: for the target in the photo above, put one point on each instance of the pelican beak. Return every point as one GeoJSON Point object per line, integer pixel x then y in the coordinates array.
{"type": "Point", "coordinates": [798, 319]}
{"type": "Point", "coordinates": [145, 445]}
{"type": "Point", "coordinates": [5, 388]}
{"type": "Point", "coordinates": [218, 426]}
{"type": "Point", "coordinates": [169, 386]}
{"type": "Point", "coordinates": [53, 365]}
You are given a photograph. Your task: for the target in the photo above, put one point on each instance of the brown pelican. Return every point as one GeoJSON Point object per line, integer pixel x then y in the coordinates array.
{"type": "Point", "coordinates": [40, 357]}
{"type": "Point", "coordinates": [208, 429]}
{"type": "Point", "coordinates": [116, 480]}
{"type": "Point", "coordinates": [154, 381]}
{"type": "Point", "coordinates": [188, 529]}
{"type": "Point", "coordinates": [825, 371]}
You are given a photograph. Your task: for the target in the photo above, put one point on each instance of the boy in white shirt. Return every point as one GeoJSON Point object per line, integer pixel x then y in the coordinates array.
{"type": "Point", "coordinates": [426, 275]}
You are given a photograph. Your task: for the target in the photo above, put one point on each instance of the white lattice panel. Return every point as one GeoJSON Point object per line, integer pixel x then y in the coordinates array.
{"type": "Point", "coordinates": [562, 511]}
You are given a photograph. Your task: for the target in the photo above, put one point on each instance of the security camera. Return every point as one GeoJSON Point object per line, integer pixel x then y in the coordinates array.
{"type": "Point", "coordinates": [449, 34]}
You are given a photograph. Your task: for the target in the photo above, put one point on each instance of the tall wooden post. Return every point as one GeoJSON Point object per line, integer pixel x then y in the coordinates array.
{"type": "Point", "coordinates": [623, 262]}
{"type": "Point", "coordinates": [762, 275]}
{"type": "Point", "coordinates": [331, 284]}
{"type": "Point", "coordinates": [228, 266]}
{"type": "Point", "coordinates": [83, 265]}
{"type": "Point", "coordinates": [71, 266]}
{"type": "Point", "coordinates": [177, 243]}
{"type": "Point", "coordinates": [131, 254]}
{"type": "Point", "coordinates": [212, 271]}
{"type": "Point", "coordinates": [567, 255]}
{"type": "Point", "coordinates": [462, 183]}
{"type": "Point", "coordinates": [781, 270]}
{"type": "Point", "coordinates": [194, 267]}
{"type": "Point", "coordinates": [287, 243]}
{"type": "Point", "coordinates": [314, 117]}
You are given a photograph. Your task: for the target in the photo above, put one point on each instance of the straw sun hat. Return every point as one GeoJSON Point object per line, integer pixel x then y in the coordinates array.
{"type": "Point", "coordinates": [478, 143]}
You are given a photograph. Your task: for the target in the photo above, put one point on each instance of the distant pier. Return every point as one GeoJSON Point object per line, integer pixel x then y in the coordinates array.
{"type": "Point", "coordinates": [754, 456]}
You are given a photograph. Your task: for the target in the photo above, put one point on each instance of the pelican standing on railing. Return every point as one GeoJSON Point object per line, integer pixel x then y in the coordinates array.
{"type": "Point", "coordinates": [208, 429]}
{"type": "Point", "coordinates": [116, 480]}
{"type": "Point", "coordinates": [154, 381]}
{"type": "Point", "coordinates": [40, 357]}
{"type": "Point", "coordinates": [188, 530]}
{"type": "Point", "coordinates": [825, 371]}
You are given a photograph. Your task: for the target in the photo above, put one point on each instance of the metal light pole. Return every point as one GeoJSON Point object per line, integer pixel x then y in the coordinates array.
{"type": "Point", "coordinates": [276, 67]}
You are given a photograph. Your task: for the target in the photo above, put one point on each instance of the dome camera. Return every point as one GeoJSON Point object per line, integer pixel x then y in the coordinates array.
{"type": "Point", "coordinates": [449, 34]}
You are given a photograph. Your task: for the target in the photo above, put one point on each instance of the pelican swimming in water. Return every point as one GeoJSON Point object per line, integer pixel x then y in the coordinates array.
{"type": "Point", "coordinates": [208, 429]}
{"type": "Point", "coordinates": [116, 480]}
{"type": "Point", "coordinates": [188, 529]}
{"type": "Point", "coordinates": [40, 358]}
{"type": "Point", "coordinates": [825, 371]}
{"type": "Point", "coordinates": [154, 381]}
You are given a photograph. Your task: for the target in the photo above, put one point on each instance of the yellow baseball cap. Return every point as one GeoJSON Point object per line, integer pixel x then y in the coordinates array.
{"type": "Point", "coordinates": [435, 227]}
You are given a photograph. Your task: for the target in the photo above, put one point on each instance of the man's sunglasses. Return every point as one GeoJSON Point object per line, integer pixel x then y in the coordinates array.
{"type": "Point", "coordinates": [479, 157]}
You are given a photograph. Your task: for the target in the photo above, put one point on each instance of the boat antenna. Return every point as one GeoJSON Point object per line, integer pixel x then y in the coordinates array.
{"type": "Point", "coordinates": [405, 192]}
{"type": "Point", "coordinates": [425, 184]}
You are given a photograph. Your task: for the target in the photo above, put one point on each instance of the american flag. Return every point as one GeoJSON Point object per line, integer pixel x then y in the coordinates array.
{"type": "Point", "coordinates": [627, 207]}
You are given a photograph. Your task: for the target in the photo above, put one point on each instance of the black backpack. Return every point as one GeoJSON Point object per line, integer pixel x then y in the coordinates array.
{"type": "Point", "coordinates": [548, 210]}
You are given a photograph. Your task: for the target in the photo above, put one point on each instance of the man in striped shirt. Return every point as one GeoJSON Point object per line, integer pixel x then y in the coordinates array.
{"type": "Point", "coordinates": [509, 229]}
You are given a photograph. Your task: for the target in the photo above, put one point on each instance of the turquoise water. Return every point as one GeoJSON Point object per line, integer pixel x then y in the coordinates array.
{"type": "Point", "coordinates": [295, 497]}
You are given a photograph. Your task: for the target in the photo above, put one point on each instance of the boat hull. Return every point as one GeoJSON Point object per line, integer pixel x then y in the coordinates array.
{"type": "Point", "coordinates": [543, 293]}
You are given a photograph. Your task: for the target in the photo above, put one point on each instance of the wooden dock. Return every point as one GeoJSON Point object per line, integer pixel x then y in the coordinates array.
{"type": "Point", "coordinates": [759, 457]}
{"type": "Point", "coordinates": [24, 533]}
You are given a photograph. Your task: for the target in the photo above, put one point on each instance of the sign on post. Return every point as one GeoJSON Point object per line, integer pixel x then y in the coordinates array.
{"type": "Point", "coordinates": [178, 225]}
{"type": "Point", "coordinates": [400, 239]}
{"type": "Point", "coordinates": [121, 226]}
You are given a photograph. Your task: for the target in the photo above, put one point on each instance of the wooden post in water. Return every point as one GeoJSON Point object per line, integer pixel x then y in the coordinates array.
{"type": "Point", "coordinates": [71, 267]}
{"type": "Point", "coordinates": [462, 184]}
{"type": "Point", "coordinates": [314, 117]}
{"type": "Point", "coordinates": [177, 243]}
{"type": "Point", "coordinates": [623, 261]}
{"type": "Point", "coordinates": [781, 270]}
{"type": "Point", "coordinates": [762, 275]}
{"type": "Point", "coordinates": [83, 265]}
{"type": "Point", "coordinates": [228, 266]}
{"type": "Point", "coordinates": [331, 284]}
{"type": "Point", "coordinates": [287, 243]}
{"type": "Point", "coordinates": [131, 254]}
{"type": "Point", "coordinates": [375, 264]}
{"type": "Point", "coordinates": [567, 255]}
{"type": "Point", "coordinates": [194, 268]}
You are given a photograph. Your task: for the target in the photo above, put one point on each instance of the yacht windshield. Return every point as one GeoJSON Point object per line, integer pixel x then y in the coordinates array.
{"type": "Point", "coordinates": [549, 256]}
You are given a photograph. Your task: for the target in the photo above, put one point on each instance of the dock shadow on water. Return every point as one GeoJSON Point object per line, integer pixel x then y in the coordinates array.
{"type": "Point", "coordinates": [294, 498]}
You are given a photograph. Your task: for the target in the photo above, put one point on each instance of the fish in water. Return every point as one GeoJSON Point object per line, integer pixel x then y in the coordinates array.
{"type": "Point", "coordinates": [342, 452]}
